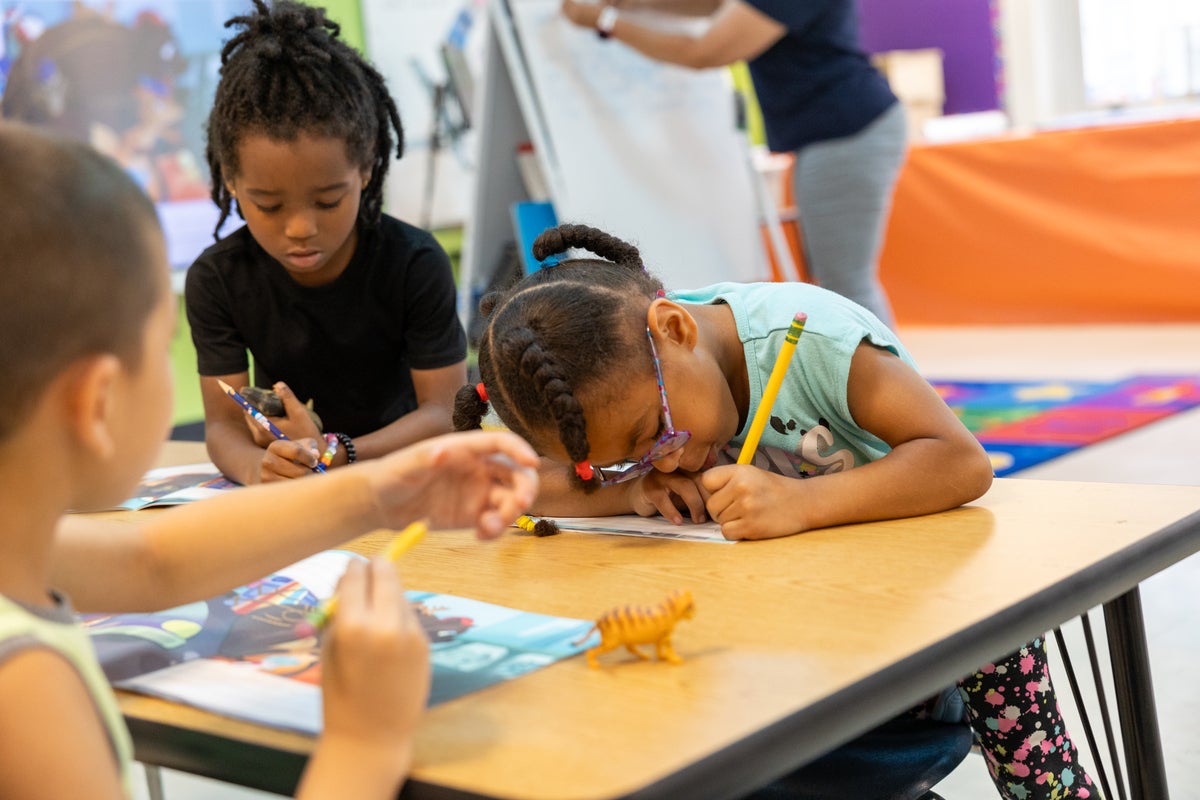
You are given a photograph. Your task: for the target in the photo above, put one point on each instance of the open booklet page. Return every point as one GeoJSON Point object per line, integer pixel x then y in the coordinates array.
{"type": "Point", "coordinates": [239, 654]}
{"type": "Point", "coordinates": [169, 486]}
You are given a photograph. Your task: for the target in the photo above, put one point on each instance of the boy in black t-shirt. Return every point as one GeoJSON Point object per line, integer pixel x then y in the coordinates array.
{"type": "Point", "coordinates": [336, 302]}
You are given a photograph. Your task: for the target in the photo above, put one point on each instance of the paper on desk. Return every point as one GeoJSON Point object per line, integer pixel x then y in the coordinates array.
{"type": "Point", "coordinates": [634, 525]}
{"type": "Point", "coordinates": [238, 690]}
{"type": "Point", "coordinates": [238, 654]}
{"type": "Point", "coordinates": [169, 486]}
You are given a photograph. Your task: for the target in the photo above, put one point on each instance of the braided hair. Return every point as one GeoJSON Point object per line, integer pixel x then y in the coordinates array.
{"type": "Point", "coordinates": [286, 73]}
{"type": "Point", "coordinates": [562, 330]}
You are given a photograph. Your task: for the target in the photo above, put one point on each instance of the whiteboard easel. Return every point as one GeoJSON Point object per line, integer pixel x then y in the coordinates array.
{"type": "Point", "coordinates": [646, 151]}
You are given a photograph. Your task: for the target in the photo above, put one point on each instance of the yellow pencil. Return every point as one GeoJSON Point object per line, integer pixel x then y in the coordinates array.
{"type": "Point", "coordinates": [763, 413]}
{"type": "Point", "coordinates": [401, 544]}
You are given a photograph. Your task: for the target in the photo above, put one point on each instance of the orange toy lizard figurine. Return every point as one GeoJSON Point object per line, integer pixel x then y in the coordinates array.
{"type": "Point", "coordinates": [634, 625]}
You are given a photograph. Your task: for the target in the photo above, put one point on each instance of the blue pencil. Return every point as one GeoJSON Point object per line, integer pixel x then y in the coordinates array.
{"type": "Point", "coordinates": [260, 418]}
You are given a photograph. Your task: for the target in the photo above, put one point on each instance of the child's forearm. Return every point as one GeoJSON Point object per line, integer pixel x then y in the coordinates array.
{"type": "Point", "coordinates": [338, 769]}
{"type": "Point", "coordinates": [558, 496]}
{"type": "Point", "coordinates": [196, 551]}
{"type": "Point", "coordinates": [233, 452]}
{"type": "Point", "coordinates": [922, 476]}
{"type": "Point", "coordinates": [918, 477]}
{"type": "Point", "coordinates": [424, 422]}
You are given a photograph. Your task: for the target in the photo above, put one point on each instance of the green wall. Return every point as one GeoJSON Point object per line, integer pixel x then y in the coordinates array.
{"type": "Point", "coordinates": [348, 14]}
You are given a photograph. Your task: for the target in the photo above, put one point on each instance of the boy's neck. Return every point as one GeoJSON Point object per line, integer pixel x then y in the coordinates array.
{"type": "Point", "coordinates": [26, 548]}
{"type": "Point", "coordinates": [34, 498]}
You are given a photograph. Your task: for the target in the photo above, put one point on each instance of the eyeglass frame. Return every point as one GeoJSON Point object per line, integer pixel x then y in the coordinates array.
{"type": "Point", "coordinates": [668, 442]}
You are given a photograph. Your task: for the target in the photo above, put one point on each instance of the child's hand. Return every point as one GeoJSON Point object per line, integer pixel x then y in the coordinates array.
{"type": "Point", "coordinates": [751, 503]}
{"type": "Point", "coordinates": [375, 669]}
{"type": "Point", "coordinates": [669, 494]}
{"type": "Point", "coordinates": [479, 479]}
{"type": "Point", "coordinates": [288, 459]}
{"type": "Point", "coordinates": [297, 422]}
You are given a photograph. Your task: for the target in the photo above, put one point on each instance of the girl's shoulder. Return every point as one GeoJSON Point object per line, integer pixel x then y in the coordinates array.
{"type": "Point", "coordinates": [765, 310]}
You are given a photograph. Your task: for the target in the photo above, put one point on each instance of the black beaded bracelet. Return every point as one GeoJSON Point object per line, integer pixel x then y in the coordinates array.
{"type": "Point", "coordinates": [348, 446]}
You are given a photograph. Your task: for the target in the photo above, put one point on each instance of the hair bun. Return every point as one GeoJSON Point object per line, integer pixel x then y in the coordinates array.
{"type": "Point", "coordinates": [550, 242]}
{"type": "Point", "coordinates": [563, 237]}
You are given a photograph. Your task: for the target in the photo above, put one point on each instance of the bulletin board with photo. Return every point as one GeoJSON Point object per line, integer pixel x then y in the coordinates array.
{"type": "Point", "coordinates": [135, 79]}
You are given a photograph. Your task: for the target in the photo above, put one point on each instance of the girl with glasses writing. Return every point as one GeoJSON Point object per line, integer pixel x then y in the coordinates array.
{"type": "Point", "coordinates": [645, 397]}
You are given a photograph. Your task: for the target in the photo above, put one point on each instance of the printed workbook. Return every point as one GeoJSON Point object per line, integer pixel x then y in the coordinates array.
{"type": "Point", "coordinates": [239, 654]}
{"type": "Point", "coordinates": [172, 486]}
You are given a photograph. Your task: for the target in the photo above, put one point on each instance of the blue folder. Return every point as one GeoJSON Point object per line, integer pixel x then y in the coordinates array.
{"type": "Point", "coordinates": [529, 220]}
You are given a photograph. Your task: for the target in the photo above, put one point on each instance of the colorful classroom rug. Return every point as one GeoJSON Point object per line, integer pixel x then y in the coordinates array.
{"type": "Point", "coordinates": [1021, 424]}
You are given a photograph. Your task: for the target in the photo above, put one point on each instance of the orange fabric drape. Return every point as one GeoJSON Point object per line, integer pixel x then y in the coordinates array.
{"type": "Point", "coordinates": [1086, 225]}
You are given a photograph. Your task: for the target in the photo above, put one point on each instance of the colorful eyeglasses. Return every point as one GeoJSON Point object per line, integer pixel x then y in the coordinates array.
{"type": "Point", "coordinates": [670, 440]}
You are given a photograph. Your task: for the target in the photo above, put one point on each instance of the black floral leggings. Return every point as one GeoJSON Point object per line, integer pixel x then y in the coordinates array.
{"type": "Point", "coordinates": [1014, 712]}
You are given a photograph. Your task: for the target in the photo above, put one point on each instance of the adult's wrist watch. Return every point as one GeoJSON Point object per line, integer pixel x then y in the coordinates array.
{"type": "Point", "coordinates": [606, 21]}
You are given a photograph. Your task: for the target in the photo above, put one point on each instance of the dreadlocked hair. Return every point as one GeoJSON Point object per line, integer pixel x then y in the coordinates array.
{"type": "Point", "coordinates": [286, 74]}
{"type": "Point", "coordinates": [559, 331]}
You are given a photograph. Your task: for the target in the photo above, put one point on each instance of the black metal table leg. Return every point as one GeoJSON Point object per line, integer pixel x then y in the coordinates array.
{"type": "Point", "coordinates": [1135, 696]}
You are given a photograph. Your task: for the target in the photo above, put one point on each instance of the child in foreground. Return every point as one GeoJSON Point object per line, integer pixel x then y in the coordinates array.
{"type": "Point", "coordinates": [337, 303]}
{"type": "Point", "coordinates": [645, 397]}
{"type": "Point", "coordinates": [84, 406]}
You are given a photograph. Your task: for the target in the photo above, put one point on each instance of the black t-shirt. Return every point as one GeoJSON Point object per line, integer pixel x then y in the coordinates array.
{"type": "Point", "coordinates": [348, 345]}
{"type": "Point", "coordinates": [816, 83]}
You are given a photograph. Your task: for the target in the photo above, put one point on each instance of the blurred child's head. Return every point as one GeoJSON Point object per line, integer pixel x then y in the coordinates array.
{"type": "Point", "coordinates": [572, 337]}
{"type": "Point", "coordinates": [84, 286]}
{"type": "Point", "coordinates": [287, 77]}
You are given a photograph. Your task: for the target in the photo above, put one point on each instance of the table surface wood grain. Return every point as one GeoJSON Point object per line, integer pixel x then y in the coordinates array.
{"type": "Point", "coordinates": [810, 637]}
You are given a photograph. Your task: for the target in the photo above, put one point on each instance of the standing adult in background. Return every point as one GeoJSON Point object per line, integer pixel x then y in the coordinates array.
{"type": "Point", "coordinates": [821, 99]}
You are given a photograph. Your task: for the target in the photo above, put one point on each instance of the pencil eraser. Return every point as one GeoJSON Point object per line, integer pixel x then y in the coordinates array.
{"type": "Point", "coordinates": [801, 316]}
{"type": "Point", "coordinates": [305, 629]}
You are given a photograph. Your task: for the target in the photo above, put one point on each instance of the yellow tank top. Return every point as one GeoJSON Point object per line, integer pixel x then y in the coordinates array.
{"type": "Point", "coordinates": [23, 627]}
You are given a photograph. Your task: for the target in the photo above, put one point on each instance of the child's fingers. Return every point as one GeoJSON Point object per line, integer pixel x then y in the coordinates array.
{"type": "Point", "coordinates": [353, 589]}
{"type": "Point", "coordinates": [261, 437]}
{"type": "Point", "coordinates": [292, 407]}
{"type": "Point", "coordinates": [512, 489]}
{"type": "Point", "coordinates": [299, 453]}
{"type": "Point", "coordinates": [688, 493]}
{"type": "Point", "coordinates": [510, 445]}
{"type": "Point", "coordinates": [713, 482]}
{"type": "Point", "coordinates": [386, 596]}
{"type": "Point", "coordinates": [299, 423]}
{"type": "Point", "coordinates": [488, 444]}
{"type": "Point", "coordinates": [715, 479]}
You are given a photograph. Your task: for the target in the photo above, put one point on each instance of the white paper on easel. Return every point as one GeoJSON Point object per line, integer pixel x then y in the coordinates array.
{"type": "Point", "coordinates": [645, 150]}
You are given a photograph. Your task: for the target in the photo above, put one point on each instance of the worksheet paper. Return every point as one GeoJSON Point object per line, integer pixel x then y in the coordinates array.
{"type": "Point", "coordinates": [634, 525]}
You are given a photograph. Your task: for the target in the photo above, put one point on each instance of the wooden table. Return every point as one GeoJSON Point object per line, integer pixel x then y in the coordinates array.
{"type": "Point", "coordinates": [798, 645]}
